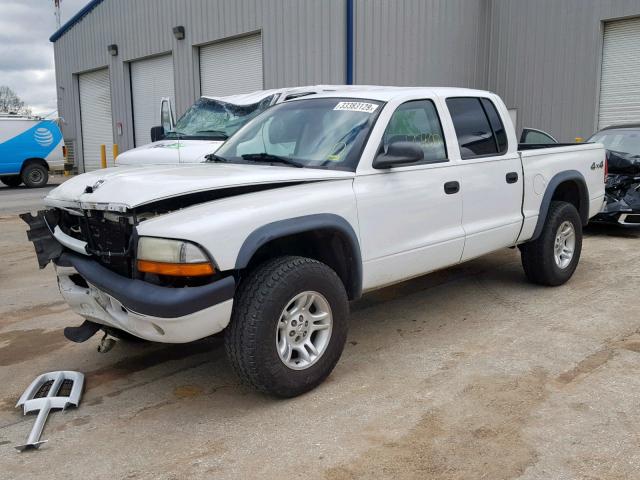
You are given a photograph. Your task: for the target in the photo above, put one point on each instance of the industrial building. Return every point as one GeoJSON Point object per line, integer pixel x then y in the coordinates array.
{"type": "Point", "coordinates": [563, 66]}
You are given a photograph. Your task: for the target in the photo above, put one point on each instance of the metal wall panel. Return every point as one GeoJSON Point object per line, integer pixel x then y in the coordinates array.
{"type": "Point", "coordinates": [620, 82]}
{"type": "Point", "coordinates": [421, 42]}
{"type": "Point", "coordinates": [151, 80]}
{"type": "Point", "coordinates": [241, 61]}
{"type": "Point", "coordinates": [545, 58]}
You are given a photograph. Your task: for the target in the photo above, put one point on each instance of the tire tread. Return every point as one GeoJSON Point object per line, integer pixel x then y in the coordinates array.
{"type": "Point", "coordinates": [241, 335]}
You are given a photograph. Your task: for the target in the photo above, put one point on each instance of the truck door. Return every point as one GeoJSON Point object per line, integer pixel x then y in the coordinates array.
{"type": "Point", "coordinates": [410, 216]}
{"type": "Point", "coordinates": [491, 177]}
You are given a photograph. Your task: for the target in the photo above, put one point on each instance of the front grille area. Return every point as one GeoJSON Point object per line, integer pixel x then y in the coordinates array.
{"type": "Point", "coordinates": [109, 239]}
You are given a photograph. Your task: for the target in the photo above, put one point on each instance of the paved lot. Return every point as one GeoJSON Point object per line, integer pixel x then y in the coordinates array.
{"type": "Point", "coordinates": [21, 199]}
{"type": "Point", "coordinates": [469, 373]}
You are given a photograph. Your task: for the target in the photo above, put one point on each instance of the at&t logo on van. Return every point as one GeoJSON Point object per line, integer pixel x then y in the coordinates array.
{"type": "Point", "coordinates": [43, 137]}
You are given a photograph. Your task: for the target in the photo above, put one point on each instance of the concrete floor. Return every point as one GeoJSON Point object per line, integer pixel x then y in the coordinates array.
{"type": "Point", "coordinates": [22, 199]}
{"type": "Point", "coordinates": [468, 373]}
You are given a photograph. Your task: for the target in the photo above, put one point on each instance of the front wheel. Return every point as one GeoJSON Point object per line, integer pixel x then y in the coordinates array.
{"type": "Point", "coordinates": [288, 327]}
{"type": "Point", "coordinates": [552, 258]}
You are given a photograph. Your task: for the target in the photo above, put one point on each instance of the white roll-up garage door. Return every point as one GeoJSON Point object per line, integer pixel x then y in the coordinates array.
{"type": "Point", "coordinates": [151, 80]}
{"type": "Point", "coordinates": [231, 67]}
{"type": "Point", "coordinates": [620, 83]}
{"type": "Point", "coordinates": [95, 117]}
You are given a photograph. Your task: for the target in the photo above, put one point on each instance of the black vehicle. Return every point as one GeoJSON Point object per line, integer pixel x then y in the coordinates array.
{"type": "Point", "coordinates": [623, 180]}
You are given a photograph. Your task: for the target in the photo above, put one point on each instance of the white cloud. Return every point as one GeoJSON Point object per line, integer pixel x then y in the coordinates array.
{"type": "Point", "coordinates": [26, 55]}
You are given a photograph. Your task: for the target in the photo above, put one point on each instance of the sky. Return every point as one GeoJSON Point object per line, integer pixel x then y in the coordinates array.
{"type": "Point", "coordinates": [26, 55]}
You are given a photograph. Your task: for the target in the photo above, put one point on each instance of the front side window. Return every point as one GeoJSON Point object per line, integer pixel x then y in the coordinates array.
{"type": "Point", "coordinates": [319, 133]}
{"type": "Point", "coordinates": [417, 122]}
{"type": "Point", "coordinates": [478, 127]}
{"type": "Point", "coordinates": [209, 118]}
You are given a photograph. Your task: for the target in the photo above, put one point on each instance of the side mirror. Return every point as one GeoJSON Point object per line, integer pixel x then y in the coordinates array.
{"type": "Point", "coordinates": [157, 133]}
{"type": "Point", "coordinates": [399, 154]}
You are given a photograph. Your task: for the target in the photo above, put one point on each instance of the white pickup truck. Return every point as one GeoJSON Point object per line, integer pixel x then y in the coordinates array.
{"type": "Point", "coordinates": [309, 205]}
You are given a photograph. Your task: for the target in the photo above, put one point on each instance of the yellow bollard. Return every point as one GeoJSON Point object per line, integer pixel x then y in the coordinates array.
{"type": "Point", "coordinates": [103, 156]}
{"type": "Point", "coordinates": [115, 152]}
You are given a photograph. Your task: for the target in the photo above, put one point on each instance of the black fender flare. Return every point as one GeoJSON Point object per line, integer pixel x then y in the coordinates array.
{"type": "Point", "coordinates": [568, 175]}
{"type": "Point", "coordinates": [307, 223]}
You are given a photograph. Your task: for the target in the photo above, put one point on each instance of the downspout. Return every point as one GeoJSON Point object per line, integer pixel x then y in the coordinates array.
{"type": "Point", "coordinates": [349, 53]}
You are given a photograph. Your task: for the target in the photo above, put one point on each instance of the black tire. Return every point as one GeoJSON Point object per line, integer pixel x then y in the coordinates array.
{"type": "Point", "coordinates": [250, 338]}
{"type": "Point", "coordinates": [35, 175]}
{"type": "Point", "coordinates": [538, 258]}
{"type": "Point", "coordinates": [11, 180]}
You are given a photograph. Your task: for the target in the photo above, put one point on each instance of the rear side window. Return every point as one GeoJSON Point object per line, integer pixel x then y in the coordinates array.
{"type": "Point", "coordinates": [478, 127]}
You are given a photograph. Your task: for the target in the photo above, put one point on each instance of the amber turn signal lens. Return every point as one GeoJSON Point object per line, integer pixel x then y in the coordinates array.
{"type": "Point", "coordinates": [176, 269]}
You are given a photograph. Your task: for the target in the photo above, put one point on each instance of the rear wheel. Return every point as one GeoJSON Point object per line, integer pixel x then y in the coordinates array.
{"type": "Point", "coordinates": [552, 258]}
{"type": "Point", "coordinates": [288, 327]}
{"type": "Point", "coordinates": [35, 175]}
{"type": "Point", "coordinates": [11, 180]}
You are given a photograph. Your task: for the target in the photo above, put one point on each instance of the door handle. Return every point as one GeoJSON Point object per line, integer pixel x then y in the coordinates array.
{"type": "Point", "coordinates": [451, 187]}
{"type": "Point", "coordinates": [512, 177]}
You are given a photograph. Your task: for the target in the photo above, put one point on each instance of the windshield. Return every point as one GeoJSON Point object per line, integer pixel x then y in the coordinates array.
{"type": "Point", "coordinates": [320, 133]}
{"type": "Point", "coordinates": [215, 119]}
{"type": "Point", "coordinates": [622, 141]}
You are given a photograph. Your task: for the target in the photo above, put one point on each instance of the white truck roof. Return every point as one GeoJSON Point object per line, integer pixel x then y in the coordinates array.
{"type": "Point", "coordinates": [386, 93]}
{"type": "Point", "coordinates": [254, 97]}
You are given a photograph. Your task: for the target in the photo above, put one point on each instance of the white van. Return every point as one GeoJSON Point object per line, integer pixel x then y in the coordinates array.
{"type": "Point", "coordinates": [29, 148]}
{"type": "Point", "coordinates": [206, 125]}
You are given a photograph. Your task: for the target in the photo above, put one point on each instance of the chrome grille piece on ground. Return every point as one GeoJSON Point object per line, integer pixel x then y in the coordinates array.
{"type": "Point", "coordinates": [53, 390]}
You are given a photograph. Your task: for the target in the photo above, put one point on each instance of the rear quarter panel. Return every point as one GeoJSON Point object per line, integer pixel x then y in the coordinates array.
{"type": "Point", "coordinates": [540, 166]}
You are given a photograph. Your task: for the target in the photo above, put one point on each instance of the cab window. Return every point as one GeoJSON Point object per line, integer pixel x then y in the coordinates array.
{"type": "Point", "coordinates": [417, 122]}
{"type": "Point", "coordinates": [478, 127]}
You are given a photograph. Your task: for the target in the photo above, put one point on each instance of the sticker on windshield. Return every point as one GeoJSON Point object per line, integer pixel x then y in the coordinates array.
{"type": "Point", "coordinates": [356, 107]}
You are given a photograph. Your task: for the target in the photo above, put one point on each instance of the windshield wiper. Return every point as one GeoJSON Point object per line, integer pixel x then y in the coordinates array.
{"type": "Point", "coordinates": [267, 157]}
{"type": "Point", "coordinates": [218, 133]}
{"type": "Point", "coordinates": [213, 158]}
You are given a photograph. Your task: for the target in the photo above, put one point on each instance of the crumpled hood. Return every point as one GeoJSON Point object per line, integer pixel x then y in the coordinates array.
{"type": "Point", "coordinates": [167, 152]}
{"type": "Point", "coordinates": [121, 188]}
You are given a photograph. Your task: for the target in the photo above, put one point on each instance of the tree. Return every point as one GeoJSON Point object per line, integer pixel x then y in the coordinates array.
{"type": "Point", "coordinates": [10, 102]}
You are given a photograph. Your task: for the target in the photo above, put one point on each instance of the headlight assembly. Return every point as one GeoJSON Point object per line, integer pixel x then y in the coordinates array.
{"type": "Point", "coordinates": [177, 258]}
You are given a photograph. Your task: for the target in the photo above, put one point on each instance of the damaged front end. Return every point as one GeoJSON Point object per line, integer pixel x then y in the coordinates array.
{"type": "Point", "coordinates": [94, 254]}
{"type": "Point", "coordinates": [622, 205]}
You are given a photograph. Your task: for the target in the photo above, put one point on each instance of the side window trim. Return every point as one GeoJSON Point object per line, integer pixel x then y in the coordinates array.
{"type": "Point", "coordinates": [493, 130]}
{"type": "Point", "coordinates": [446, 158]}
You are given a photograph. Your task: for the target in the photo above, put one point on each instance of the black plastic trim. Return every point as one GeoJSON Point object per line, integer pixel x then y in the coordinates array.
{"type": "Point", "coordinates": [568, 175]}
{"type": "Point", "coordinates": [147, 299]}
{"type": "Point", "coordinates": [320, 221]}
